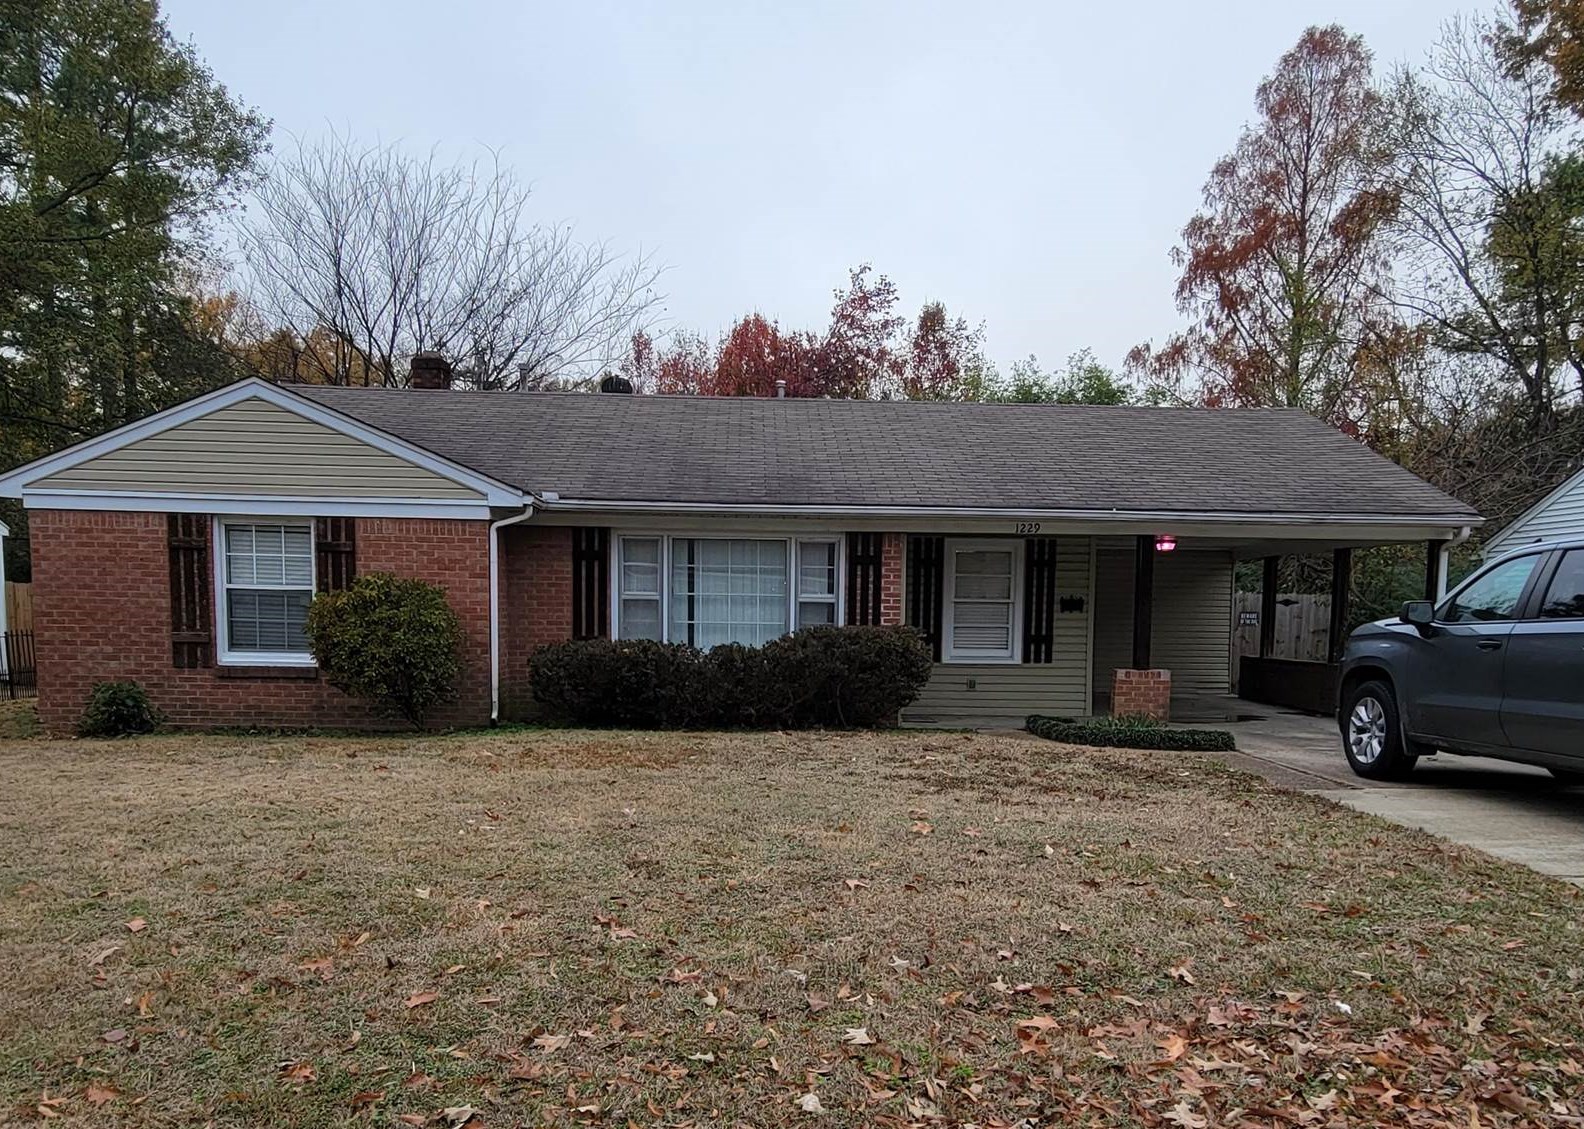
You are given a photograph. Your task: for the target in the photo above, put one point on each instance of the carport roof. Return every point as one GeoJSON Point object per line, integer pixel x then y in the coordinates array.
{"type": "Point", "coordinates": [778, 453]}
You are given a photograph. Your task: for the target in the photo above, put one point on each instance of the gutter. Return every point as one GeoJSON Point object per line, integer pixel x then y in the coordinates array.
{"type": "Point", "coordinates": [494, 606]}
{"type": "Point", "coordinates": [550, 501]}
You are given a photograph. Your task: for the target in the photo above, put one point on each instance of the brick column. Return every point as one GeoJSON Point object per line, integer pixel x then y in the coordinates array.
{"type": "Point", "coordinates": [1144, 693]}
{"type": "Point", "coordinates": [893, 554]}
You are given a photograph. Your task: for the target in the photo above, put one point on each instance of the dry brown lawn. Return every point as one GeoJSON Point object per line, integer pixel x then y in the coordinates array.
{"type": "Point", "coordinates": [577, 928]}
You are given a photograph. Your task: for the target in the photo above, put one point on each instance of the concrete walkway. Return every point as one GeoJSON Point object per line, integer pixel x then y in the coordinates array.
{"type": "Point", "coordinates": [1512, 811]}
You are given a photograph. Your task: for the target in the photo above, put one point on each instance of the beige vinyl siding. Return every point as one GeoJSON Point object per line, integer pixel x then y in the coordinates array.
{"type": "Point", "coordinates": [255, 447]}
{"type": "Point", "coordinates": [1011, 691]}
{"type": "Point", "coordinates": [1192, 634]}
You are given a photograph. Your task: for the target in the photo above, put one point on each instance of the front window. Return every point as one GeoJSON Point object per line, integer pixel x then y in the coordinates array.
{"type": "Point", "coordinates": [267, 582]}
{"type": "Point", "coordinates": [1492, 597]}
{"type": "Point", "coordinates": [705, 591]}
{"type": "Point", "coordinates": [981, 601]}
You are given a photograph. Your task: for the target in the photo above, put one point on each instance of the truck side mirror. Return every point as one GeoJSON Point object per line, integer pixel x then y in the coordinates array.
{"type": "Point", "coordinates": [1419, 613]}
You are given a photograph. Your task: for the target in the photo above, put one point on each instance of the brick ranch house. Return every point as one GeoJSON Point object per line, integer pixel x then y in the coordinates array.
{"type": "Point", "coordinates": [1060, 559]}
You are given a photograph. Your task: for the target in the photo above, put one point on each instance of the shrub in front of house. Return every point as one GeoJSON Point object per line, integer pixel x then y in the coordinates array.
{"type": "Point", "coordinates": [1129, 733]}
{"type": "Point", "coordinates": [393, 641]}
{"type": "Point", "coordinates": [840, 677]}
{"type": "Point", "coordinates": [118, 709]}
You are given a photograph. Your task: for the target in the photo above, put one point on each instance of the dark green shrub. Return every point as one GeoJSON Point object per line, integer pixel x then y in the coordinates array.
{"type": "Point", "coordinates": [850, 677]}
{"type": "Point", "coordinates": [118, 709]}
{"type": "Point", "coordinates": [1129, 733]}
{"type": "Point", "coordinates": [822, 676]}
{"type": "Point", "coordinates": [388, 639]}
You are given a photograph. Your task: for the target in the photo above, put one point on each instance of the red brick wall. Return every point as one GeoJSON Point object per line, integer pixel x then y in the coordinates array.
{"type": "Point", "coordinates": [893, 558]}
{"type": "Point", "coordinates": [1141, 692]}
{"type": "Point", "coordinates": [536, 603]}
{"type": "Point", "coordinates": [101, 592]}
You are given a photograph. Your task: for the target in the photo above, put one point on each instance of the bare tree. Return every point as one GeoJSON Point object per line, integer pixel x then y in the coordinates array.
{"type": "Point", "coordinates": [1489, 264]}
{"type": "Point", "coordinates": [368, 255]}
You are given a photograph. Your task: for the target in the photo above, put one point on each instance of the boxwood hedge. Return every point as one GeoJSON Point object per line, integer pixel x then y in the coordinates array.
{"type": "Point", "coordinates": [1129, 733]}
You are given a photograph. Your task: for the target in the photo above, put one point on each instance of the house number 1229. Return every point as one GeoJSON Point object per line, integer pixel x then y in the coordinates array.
{"type": "Point", "coordinates": [1028, 527]}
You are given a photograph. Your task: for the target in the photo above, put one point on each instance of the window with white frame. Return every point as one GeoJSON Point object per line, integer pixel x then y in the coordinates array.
{"type": "Point", "coordinates": [706, 591]}
{"type": "Point", "coordinates": [266, 582]}
{"type": "Point", "coordinates": [981, 613]}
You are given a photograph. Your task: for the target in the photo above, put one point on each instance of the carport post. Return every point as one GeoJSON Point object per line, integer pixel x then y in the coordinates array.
{"type": "Point", "coordinates": [1268, 608]}
{"type": "Point", "coordinates": [1433, 569]}
{"type": "Point", "coordinates": [1143, 599]}
{"type": "Point", "coordinates": [1341, 584]}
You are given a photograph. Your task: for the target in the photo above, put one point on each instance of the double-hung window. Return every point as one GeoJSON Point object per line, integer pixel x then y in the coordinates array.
{"type": "Point", "coordinates": [980, 613]}
{"type": "Point", "coordinates": [266, 583]}
{"type": "Point", "coordinates": [705, 591]}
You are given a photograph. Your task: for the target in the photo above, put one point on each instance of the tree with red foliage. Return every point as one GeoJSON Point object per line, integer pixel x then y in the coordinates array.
{"type": "Point", "coordinates": [942, 352]}
{"type": "Point", "coordinates": [857, 358]}
{"type": "Point", "coordinates": [1285, 271]}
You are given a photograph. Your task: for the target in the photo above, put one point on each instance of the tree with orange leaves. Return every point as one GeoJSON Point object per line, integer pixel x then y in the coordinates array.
{"type": "Point", "coordinates": [1285, 270]}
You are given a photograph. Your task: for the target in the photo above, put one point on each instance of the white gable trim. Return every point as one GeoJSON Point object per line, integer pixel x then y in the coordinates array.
{"type": "Point", "coordinates": [1510, 538]}
{"type": "Point", "coordinates": [262, 505]}
{"type": "Point", "coordinates": [16, 483]}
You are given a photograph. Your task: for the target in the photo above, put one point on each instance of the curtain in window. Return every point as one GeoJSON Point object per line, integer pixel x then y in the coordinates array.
{"type": "Point", "coordinates": [728, 591]}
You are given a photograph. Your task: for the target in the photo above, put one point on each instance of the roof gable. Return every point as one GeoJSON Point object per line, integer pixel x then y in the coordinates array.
{"type": "Point", "coordinates": [1558, 514]}
{"type": "Point", "coordinates": [255, 440]}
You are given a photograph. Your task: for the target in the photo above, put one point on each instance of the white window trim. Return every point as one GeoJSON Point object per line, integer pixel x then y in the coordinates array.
{"type": "Point", "coordinates": [224, 655]}
{"type": "Point", "coordinates": [669, 537]}
{"type": "Point", "coordinates": [949, 654]}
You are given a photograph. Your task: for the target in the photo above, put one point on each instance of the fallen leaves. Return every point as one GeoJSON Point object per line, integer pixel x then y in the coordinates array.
{"type": "Point", "coordinates": [136, 925]}
{"type": "Point", "coordinates": [810, 1103]}
{"type": "Point", "coordinates": [420, 999]}
{"type": "Point", "coordinates": [857, 1037]}
{"type": "Point", "coordinates": [97, 1095]}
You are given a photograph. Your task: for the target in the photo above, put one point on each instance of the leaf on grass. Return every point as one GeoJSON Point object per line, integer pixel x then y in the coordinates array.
{"type": "Point", "coordinates": [105, 955]}
{"type": "Point", "coordinates": [458, 1115]}
{"type": "Point", "coordinates": [421, 891]}
{"type": "Point", "coordinates": [1173, 1047]}
{"type": "Point", "coordinates": [1181, 972]}
{"type": "Point", "coordinates": [921, 828]}
{"type": "Point", "coordinates": [136, 925]}
{"type": "Point", "coordinates": [707, 1056]}
{"type": "Point", "coordinates": [419, 999]}
{"type": "Point", "coordinates": [817, 1004]}
{"type": "Point", "coordinates": [297, 1072]}
{"type": "Point", "coordinates": [114, 1035]}
{"type": "Point", "coordinates": [365, 1098]}
{"type": "Point", "coordinates": [858, 1036]}
{"type": "Point", "coordinates": [855, 884]}
{"type": "Point", "coordinates": [98, 1095]}
{"type": "Point", "coordinates": [810, 1103]}
{"type": "Point", "coordinates": [323, 966]}
{"type": "Point", "coordinates": [552, 1043]}
{"type": "Point", "coordinates": [1182, 1115]}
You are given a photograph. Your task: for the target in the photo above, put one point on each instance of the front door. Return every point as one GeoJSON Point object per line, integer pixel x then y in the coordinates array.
{"type": "Point", "coordinates": [1457, 692]}
{"type": "Point", "coordinates": [1543, 710]}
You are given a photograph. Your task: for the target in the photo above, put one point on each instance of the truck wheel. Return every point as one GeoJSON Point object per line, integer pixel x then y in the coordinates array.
{"type": "Point", "coordinates": [1372, 734]}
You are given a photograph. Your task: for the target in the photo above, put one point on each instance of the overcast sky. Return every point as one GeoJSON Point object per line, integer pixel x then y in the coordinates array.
{"type": "Point", "coordinates": [1029, 163]}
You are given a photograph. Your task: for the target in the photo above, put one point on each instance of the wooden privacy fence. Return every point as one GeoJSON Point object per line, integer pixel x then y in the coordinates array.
{"type": "Point", "coordinates": [1303, 626]}
{"type": "Point", "coordinates": [19, 607]}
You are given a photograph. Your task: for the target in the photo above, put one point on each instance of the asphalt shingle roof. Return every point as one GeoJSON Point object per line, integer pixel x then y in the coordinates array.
{"type": "Point", "coordinates": [889, 453]}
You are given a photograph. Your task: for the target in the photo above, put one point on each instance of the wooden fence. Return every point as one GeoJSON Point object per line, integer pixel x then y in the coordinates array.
{"type": "Point", "coordinates": [1303, 626]}
{"type": "Point", "coordinates": [19, 607]}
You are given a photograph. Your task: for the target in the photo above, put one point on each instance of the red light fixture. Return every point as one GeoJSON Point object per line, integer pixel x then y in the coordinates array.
{"type": "Point", "coordinates": [1165, 543]}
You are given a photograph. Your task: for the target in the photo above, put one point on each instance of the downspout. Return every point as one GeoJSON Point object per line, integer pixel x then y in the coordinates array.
{"type": "Point", "coordinates": [1443, 563]}
{"type": "Point", "coordinates": [494, 606]}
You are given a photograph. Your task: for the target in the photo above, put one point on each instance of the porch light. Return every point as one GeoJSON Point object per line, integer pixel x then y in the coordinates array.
{"type": "Point", "coordinates": [1165, 543]}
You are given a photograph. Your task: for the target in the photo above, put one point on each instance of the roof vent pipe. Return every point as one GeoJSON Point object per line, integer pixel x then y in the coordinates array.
{"type": "Point", "coordinates": [780, 389]}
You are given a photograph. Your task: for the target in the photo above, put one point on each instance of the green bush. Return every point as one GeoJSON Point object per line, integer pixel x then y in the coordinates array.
{"type": "Point", "coordinates": [846, 677]}
{"type": "Point", "coordinates": [1129, 733]}
{"type": "Point", "coordinates": [118, 709]}
{"type": "Point", "coordinates": [393, 641]}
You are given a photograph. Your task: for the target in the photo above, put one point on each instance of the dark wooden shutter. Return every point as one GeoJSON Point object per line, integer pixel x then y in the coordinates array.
{"type": "Point", "coordinates": [335, 546]}
{"type": "Point", "coordinates": [191, 586]}
{"type": "Point", "coordinates": [1039, 599]}
{"type": "Point", "coordinates": [863, 579]}
{"type": "Point", "coordinates": [590, 583]}
{"type": "Point", "coordinates": [926, 587]}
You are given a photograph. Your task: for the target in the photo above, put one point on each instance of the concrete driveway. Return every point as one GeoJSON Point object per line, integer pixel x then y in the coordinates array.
{"type": "Point", "coordinates": [1512, 811]}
